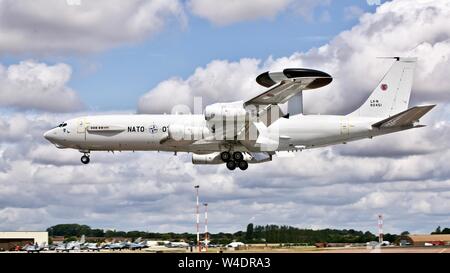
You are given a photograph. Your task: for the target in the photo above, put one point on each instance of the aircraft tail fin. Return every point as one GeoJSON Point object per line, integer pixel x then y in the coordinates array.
{"type": "Point", "coordinates": [392, 94]}
{"type": "Point", "coordinates": [405, 118]}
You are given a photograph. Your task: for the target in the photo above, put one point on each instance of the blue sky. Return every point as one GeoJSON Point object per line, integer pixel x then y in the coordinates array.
{"type": "Point", "coordinates": [177, 52]}
{"type": "Point", "coordinates": [114, 79]}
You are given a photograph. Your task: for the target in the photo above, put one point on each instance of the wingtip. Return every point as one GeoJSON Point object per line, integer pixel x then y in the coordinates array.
{"type": "Point", "coordinates": [429, 106]}
{"type": "Point", "coordinates": [265, 80]}
{"type": "Point", "coordinates": [398, 58]}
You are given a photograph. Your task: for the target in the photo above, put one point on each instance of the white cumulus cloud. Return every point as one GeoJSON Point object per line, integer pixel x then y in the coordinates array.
{"type": "Point", "coordinates": [43, 26]}
{"type": "Point", "coordinates": [33, 85]}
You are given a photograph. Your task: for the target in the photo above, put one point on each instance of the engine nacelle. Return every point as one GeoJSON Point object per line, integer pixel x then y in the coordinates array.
{"type": "Point", "coordinates": [213, 158]}
{"type": "Point", "coordinates": [180, 132]}
{"type": "Point", "coordinates": [221, 111]}
{"type": "Point", "coordinates": [257, 157]}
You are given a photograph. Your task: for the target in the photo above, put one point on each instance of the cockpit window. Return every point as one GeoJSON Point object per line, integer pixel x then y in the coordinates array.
{"type": "Point", "coordinates": [62, 125]}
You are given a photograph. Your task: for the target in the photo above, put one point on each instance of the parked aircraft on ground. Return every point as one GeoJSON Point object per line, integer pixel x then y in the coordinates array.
{"type": "Point", "coordinates": [90, 247]}
{"type": "Point", "coordinates": [177, 245]}
{"type": "Point", "coordinates": [236, 244]}
{"type": "Point", "coordinates": [252, 131]}
{"type": "Point", "coordinates": [137, 244]}
{"type": "Point", "coordinates": [34, 248]}
{"type": "Point", "coordinates": [115, 246]}
{"type": "Point", "coordinates": [72, 245]}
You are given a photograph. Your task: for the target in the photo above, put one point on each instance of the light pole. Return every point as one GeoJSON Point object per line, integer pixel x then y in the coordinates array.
{"type": "Point", "coordinates": [198, 218]}
{"type": "Point", "coordinates": [380, 228]}
{"type": "Point", "coordinates": [206, 226]}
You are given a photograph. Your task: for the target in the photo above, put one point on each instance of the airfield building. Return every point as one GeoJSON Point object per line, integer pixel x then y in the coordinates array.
{"type": "Point", "coordinates": [424, 240]}
{"type": "Point", "coordinates": [10, 239]}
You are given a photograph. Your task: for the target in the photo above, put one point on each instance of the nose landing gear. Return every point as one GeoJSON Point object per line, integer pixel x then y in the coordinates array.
{"type": "Point", "coordinates": [85, 159]}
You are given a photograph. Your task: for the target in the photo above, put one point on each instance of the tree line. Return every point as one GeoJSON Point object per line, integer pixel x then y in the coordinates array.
{"type": "Point", "coordinates": [253, 234]}
{"type": "Point", "coordinates": [76, 230]}
{"type": "Point", "coordinates": [289, 234]}
{"type": "Point", "coordinates": [443, 231]}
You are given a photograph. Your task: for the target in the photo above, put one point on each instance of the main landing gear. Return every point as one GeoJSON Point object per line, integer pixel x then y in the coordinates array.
{"type": "Point", "coordinates": [85, 158]}
{"type": "Point", "coordinates": [235, 160]}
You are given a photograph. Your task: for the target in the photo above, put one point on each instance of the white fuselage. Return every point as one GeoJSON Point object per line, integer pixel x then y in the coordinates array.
{"type": "Point", "coordinates": [150, 132]}
{"type": "Point", "coordinates": [242, 132]}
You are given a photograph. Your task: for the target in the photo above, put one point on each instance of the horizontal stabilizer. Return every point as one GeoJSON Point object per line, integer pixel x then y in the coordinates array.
{"type": "Point", "coordinates": [405, 118]}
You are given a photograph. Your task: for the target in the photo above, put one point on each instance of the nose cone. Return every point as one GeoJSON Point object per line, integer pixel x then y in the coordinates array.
{"type": "Point", "coordinates": [49, 136]}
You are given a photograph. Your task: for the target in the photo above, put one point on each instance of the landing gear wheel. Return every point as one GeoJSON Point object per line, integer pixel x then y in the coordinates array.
{"type": "Point", "coordinates": [231, 165]}
{"type": "Point", "coordinates": [243, 165]}
{"type": "Point", "coordinates": [238, 156]}
{"type": "Point", "coordinates": [225, 156]}
{"type": "Point", "coordinates": [85, 159]}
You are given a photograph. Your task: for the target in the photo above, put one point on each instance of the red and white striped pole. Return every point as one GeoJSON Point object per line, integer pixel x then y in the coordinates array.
{"type": "Point", "coordinates": [198, 219]}
{"type": "Point", "coordinates": [380, 228]}
{"type": "Point", "coordinates": [206, 226]}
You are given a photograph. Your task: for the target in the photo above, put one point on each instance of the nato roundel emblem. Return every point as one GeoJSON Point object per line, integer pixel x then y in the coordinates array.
{"type": "Point", "coordinates": [153, 129]}
{"type": "Point", "coordinates": [384, 87]}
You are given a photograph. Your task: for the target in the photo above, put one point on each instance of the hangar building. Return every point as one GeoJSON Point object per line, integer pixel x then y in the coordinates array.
{"type": "Point", "coordinates": [433, 239]}
{"type": "Point", "coordinates": [10, 239]}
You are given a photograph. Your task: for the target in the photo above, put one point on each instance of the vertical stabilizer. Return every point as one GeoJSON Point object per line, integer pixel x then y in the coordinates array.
{"type": "Point", "coordinates": [391, 96]}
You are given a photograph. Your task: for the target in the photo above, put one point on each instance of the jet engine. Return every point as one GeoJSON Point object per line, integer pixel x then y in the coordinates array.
{"type": "Point", "coordinates": [257, 157]}
{"type": "Point", "coordinates": [181, 132]}
{"type": "Point", "coordinates": [213, 158]}
{"type": "Point", "coordinates": [221, 111]}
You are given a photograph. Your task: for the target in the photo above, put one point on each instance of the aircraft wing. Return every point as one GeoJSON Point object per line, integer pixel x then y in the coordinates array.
{"type": "Point", "coordinates": [405, 118]}
{"type": "Point", "coordinates": [280, 93]}
{"type": "Point", "coordinates": [283, 86]}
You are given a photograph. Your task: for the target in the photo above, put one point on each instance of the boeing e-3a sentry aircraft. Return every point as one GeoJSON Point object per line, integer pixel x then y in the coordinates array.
{"type": "Point", "coordinates": [252, 131]}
